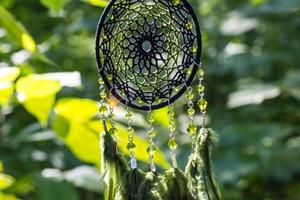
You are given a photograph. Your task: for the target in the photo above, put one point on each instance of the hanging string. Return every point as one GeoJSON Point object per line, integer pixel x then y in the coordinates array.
{"type": "Point", "coordinates": [151, 148]}
{"type": "Point", "coordinates": [172, 141]}
{"type": "Point", "coordinates": [192, 128]}
{"type": "Point", "coordinates": [202, 103]}
{"type": "Point", "coordinates": [130, 146]}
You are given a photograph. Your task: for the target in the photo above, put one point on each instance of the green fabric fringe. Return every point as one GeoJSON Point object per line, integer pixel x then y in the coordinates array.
{"type": "Point", "coordinates": [123, 183]}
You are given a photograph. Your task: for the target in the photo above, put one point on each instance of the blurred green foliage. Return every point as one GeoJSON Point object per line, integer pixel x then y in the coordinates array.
{"type": "Point", "coordinates": [49, 133]}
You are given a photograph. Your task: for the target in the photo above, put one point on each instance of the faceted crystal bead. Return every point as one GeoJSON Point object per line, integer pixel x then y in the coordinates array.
{"type": "Point", "coordinates": [109, 77]}
{"type": "Point", "coordinates": [103, 94]}
{"type": "Point", "coordinates": [133, 163]}
{"type": "Point", "coordinates": [191, 111]}
{"type": "Point", "coordinates": [172, 128]}
{"type": "Point", "coordinates": [102, 109]}
{"type": "Point", "coordinates": [200, 88]}
{"type": "Point", "coordinates": [130, 146]}
{"type": "Point", "coordinates": [100, 81]}
{"type": "Point", "coordinates": [202, 103]}
{"type": "Point", "coordinates": [151, 133]}
{"type": "Point", "coordinates": [112, 131]}
{"type": "Point", "coordinates": [171, 113]}
{"type": "Point", "coordinates": [150, 119]}
{"type": "Point", "coordinates": [172, 144]}
{"type": "Point", "coordinates": [192, 129]}
{"type": "Point", "coordinates": [128, 115]}
{"type": "Point", "coordinates": [189, 95]}
{"type": "Point", "coordinates": [151, 149]}
{"type": "Point", "coordinates": [201, 72]}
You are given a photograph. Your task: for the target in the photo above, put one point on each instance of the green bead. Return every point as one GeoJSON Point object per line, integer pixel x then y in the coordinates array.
{"type": "Point", "coordinates": [130, 130]}
{"type": "Point", "coordinates": [193, 49]}
{"type": "Point", "coordinates": [104, 37]}
{"type": "Point", "coordinates": [151, 133]}
{"type": "Point", "coordinates": [191, 111]}
{"type": "Point", "coordinates": [192, 129]}
{"type": "Point", "coordinates": [112, 131]}
{"type": "Point", "coordinates": [110, 77]}
{"type": "Point", "coordinates": [122, 92]}
{"type": "Point", "coordinates": [130, 146]}
{"type": "Point", "coordinates": [100, 81]}
{"type": "Point", "coordinates": [172, 144]}
{"type": "Point", "coordinates": [139, 100]}
{"type": "Point", "coordinates": [176, 89]}
{"type": "Point", "coordinates": [128, 115]}
{"type": "Point", "coordinates": [202, 103]}
{"type": "Point", "coordinates": [172, 128]}
{"type": "Point", "coordinates": [189, 25]}
{"type": "Point", "coordinates": [171, 113]}
{"type": "Point", "coordinates": [189, 95]}
{"type": "Point", "coordinates": [200, 88]}
{"type": "Point", "coordinates": [157, 100]}
{"type": "Point", "coordinates": [175, 2]}
{"type": "Point", "coordinates": [201, 72]}
{"type": "Point", "coordinates": [102, 109]}
{"type": "Point", "coordinates": [151, 149]}
{"type": "Point", "coordinates": [111, 115]}
{"type": "Point", "coordinates": [103, 94]}
{"type": "Point", "coordinates": [150, 119]}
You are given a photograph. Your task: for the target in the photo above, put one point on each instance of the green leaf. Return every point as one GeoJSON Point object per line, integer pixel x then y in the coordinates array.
{"type": "Point", "coordinates": [99, 3]}
{"type": "Point", "coordinates": [16, 30]}
{"type": "Point", "coordinates": [72, 121]}
{"type": "Point", "coordinates": [49, 189]}
{"type": "Point", "coordinates": [7, 76]}
{"type": "Point", "coordinates": [54, 5]}
{"type": "Point", "coordinates": [5, 181]}
{"type": "Point", "coordinates": [1, 167]}
{"type": "Point", "coordinates": [37, 94]}
{"type": "Point", "coordinates": [6, 91]}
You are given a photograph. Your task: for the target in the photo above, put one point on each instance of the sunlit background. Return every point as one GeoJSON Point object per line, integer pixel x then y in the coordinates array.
{"type": "Point", "coordinates": [49, 144]}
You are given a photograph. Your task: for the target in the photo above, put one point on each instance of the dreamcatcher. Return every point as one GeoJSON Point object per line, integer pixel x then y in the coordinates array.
{"type": "Point", "coordinates": [148, 53]}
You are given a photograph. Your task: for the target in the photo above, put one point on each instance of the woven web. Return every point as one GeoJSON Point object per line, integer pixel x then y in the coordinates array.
{"type": "Point", "coordinates": [147, 50]}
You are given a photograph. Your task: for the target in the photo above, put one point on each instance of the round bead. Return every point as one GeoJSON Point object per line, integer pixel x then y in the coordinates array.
{"type": "Point", "coordinates": [139, 100]}
{"type": "Point", "coordinates": [103, 94]}
{"type": "Point", "coordinates": [157, 100]}
{"type": "Point", "coordinates": [100, 81]}
{"type": "Point", "coordinates": [175, 2]}
{"type": "Point", "coordinates": [189, 25]}
{"type": "Point", "coordinates": [109, 77]}
{"type": "Point", "coordinates": [172, 144]}
{"type": "Point", "coordinates": [202, 103]}
{"type": "Point", "coordinates": [192, 129]}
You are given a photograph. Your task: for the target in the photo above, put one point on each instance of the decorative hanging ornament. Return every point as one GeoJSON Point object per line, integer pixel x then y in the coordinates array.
{"type": "Point", "coordinates": [148, 54]}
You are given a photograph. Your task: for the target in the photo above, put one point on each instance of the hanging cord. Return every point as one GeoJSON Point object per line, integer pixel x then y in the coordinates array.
{"type": "Point", "coordinates": [172, 141]}
{"type": "Point", "coordinates": [151, 134]}
{"type": "Point", "coordinates": [130, 146]}
{"type": "Point", "coordinates": [192, 128]}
